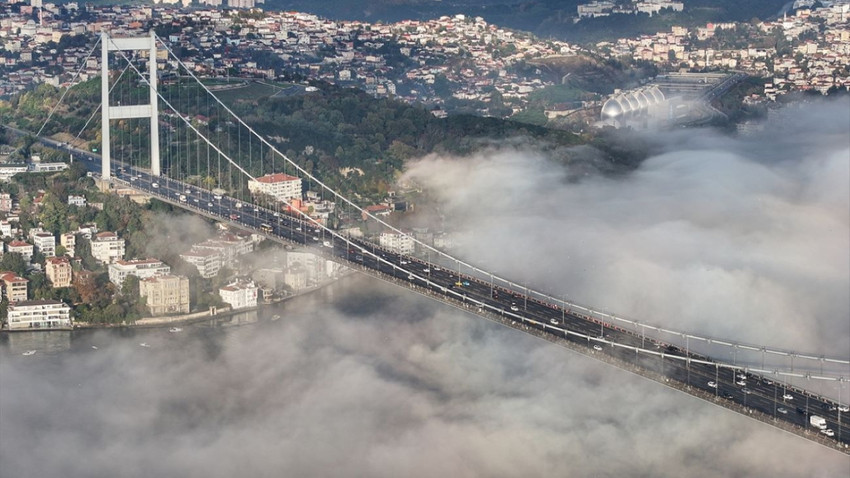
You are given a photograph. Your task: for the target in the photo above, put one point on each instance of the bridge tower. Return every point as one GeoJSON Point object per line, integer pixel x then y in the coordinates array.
{"type": "Point", "coordinates": [109, 112]}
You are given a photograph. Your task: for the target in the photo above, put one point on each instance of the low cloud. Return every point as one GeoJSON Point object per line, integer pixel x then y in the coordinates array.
{"type": "Point", "coordinates": [743, 238]}
{"type": "Point", "coordinates": [374, 383]}
{"type": "Point", "coordinates": [736, 238]}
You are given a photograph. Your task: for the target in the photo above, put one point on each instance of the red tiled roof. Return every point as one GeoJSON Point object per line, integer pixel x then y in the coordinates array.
{"type": "Point", "coordinates": [276, 178]}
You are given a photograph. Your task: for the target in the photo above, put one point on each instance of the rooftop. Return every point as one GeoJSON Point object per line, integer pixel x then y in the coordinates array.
{"type": "Point", "coordinates": [276, 178]}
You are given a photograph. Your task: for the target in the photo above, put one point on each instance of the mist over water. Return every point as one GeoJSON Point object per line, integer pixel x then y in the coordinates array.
{"type": "Point", "coordinates": [363, 379]}
{"type": "Point", "coordinates": [739, 238]}
{"type": "Point", "coordinates": [744, 238]}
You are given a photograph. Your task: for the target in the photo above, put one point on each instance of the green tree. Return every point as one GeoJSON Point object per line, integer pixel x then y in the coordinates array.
{"type": "Point", "coordinates": [14, 262]}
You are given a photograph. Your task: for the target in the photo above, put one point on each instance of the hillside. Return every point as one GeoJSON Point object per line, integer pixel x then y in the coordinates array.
{"type": "Point", "coordinates": [544, 18]}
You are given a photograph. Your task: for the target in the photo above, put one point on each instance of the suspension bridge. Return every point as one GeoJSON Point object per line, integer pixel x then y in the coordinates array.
{"type": "Point", "coordinates": [165, 133]}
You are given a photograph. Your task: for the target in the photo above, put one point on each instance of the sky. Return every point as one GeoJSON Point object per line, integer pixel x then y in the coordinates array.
{"type": "Point", "coordinates": [733, 237]}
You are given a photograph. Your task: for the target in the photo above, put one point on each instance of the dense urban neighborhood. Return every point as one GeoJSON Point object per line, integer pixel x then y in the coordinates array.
{"type": "Point", "coordinates": [450, 63]}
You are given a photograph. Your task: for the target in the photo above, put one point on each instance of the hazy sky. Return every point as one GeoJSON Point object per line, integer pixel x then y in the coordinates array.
{"type": "Point", "coordinates": [745, 238]}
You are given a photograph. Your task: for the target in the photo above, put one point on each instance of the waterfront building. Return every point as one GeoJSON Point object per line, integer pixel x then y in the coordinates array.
{"type": "Point", "coordinates": [239, 294]}
{"type": "Point", "coordinates": [39, 314]}
{"type": "Point", "coordinates": [168, 294]}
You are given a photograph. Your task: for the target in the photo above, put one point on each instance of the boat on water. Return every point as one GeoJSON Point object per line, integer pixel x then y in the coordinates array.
{"type": "Point", "coordinates": [276, 317]}
{"type": "Point", "coordinates": [175, 329]}
{"type": "Point", "coordinates": [144, 344]}
{"type": "Point", "coordinates": [94, 347]}
{"type": "Point", "coordinates": [29, 352]}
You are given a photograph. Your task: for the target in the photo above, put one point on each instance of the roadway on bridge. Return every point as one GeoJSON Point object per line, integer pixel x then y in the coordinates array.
{"type": "Point", "coordinates": [751, 391]}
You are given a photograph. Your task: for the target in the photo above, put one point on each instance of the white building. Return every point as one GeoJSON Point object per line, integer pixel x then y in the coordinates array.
{"type": "Point", "coordinates": [207, 261]}
{"type": "Point", "coordinates": [280, 186]}
{"type": "Point", "coordinates": [228, 246]}
{"type": "Point", "coordinates": [317, 268]}
{"type": "Point", "coordinates": [45, 243]}
{"type": "Point", "coordinates": [25, 249]}
{"type": "Point", "coordinates": [399, 243]}
{"type": "Point", "coordinates": [6, 172]}
{"type": "Point", "coordinates": [141, 268]}
{"type": "Point", "coordinates": [39, 314]}
{"type": "Point", "coordinates": [107, 247]}
{"type": "Point", "coordinates": [239, 295]}
{"type": "Point", "coordinates": [76, 200]}
{"type": "Point", "coordinates": [5, 229]}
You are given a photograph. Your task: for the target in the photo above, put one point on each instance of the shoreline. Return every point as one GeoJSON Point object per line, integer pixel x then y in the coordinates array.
{"type": "Point", "coordinates": [185, 319]}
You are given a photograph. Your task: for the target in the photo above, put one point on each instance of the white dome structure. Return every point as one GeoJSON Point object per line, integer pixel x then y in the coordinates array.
{"type": "Point", "coordinates": [632, 103]}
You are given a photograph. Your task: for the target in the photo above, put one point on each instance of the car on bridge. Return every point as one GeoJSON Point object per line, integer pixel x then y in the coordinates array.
{"type": "Point", "coordinates": [787, 396]}
{"type": "Point", "coordinates": [712, 384]}
{"type": "Point", "coordinates": [782, 410]}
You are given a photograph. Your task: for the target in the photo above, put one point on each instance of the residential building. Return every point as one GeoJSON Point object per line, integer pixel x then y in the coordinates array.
{"type": "Point", "coordinates": [39, 314]}
{"type": "Point", "coordinates": [269, 278]}
{"type": "Point", "coordinates": [5, 229]}
{"type": "Point", "coordinates": [167, 294]}
{"type": "Point", "coordinates": [14, 287]}
{"type": "Point", "coordinates": [69, 242]}
{"type": "Point", "coordinates": [58, 270]}
{"type": "Point", "coordinates": [239, 294]}
{"type": "Point", "coordinates": [76, 200]}
{"type": "Point", "coordinates": [87, 231]}
{"type": "Point", "coordinates": [296, 277]}
{"type": "Point", "coordinates": [207, 261]}
{"type": "Point", "coordinates": [5, 202]}
{"type": "Point", "coordinates": [377, 210]}
{"type": "Point", "coordinates": [107, 247]}
{"type": "Point", "coordinates": [141, 268]}
{"type": "Point", "coordinates": [228, 246]}
{"type": "Point", "coordinates": [25, 249]}
{"type": "Point", "coordinates": [280, 186]}
{"type": "Point", "coordinates": [397, 242]}
{"type": "Point", "coordinates": [48, 167]}
{"type": "Point", "coordinates": [318, 268]}
{"type": "Point", "coordinates": [45, 243]}
{"type": "Point", "coordinates": [7, 171]}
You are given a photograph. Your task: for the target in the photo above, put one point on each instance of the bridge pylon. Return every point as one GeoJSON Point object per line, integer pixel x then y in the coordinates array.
{"type": "Point", "coordinates": [109, 112]}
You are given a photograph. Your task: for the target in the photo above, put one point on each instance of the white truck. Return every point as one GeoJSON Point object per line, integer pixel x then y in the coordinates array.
{"type": "Point", "coordinates": [818, 422]}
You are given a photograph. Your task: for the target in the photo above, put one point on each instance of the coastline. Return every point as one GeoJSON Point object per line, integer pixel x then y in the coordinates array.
{"type": "Point", "coordinates": [184, 319]}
